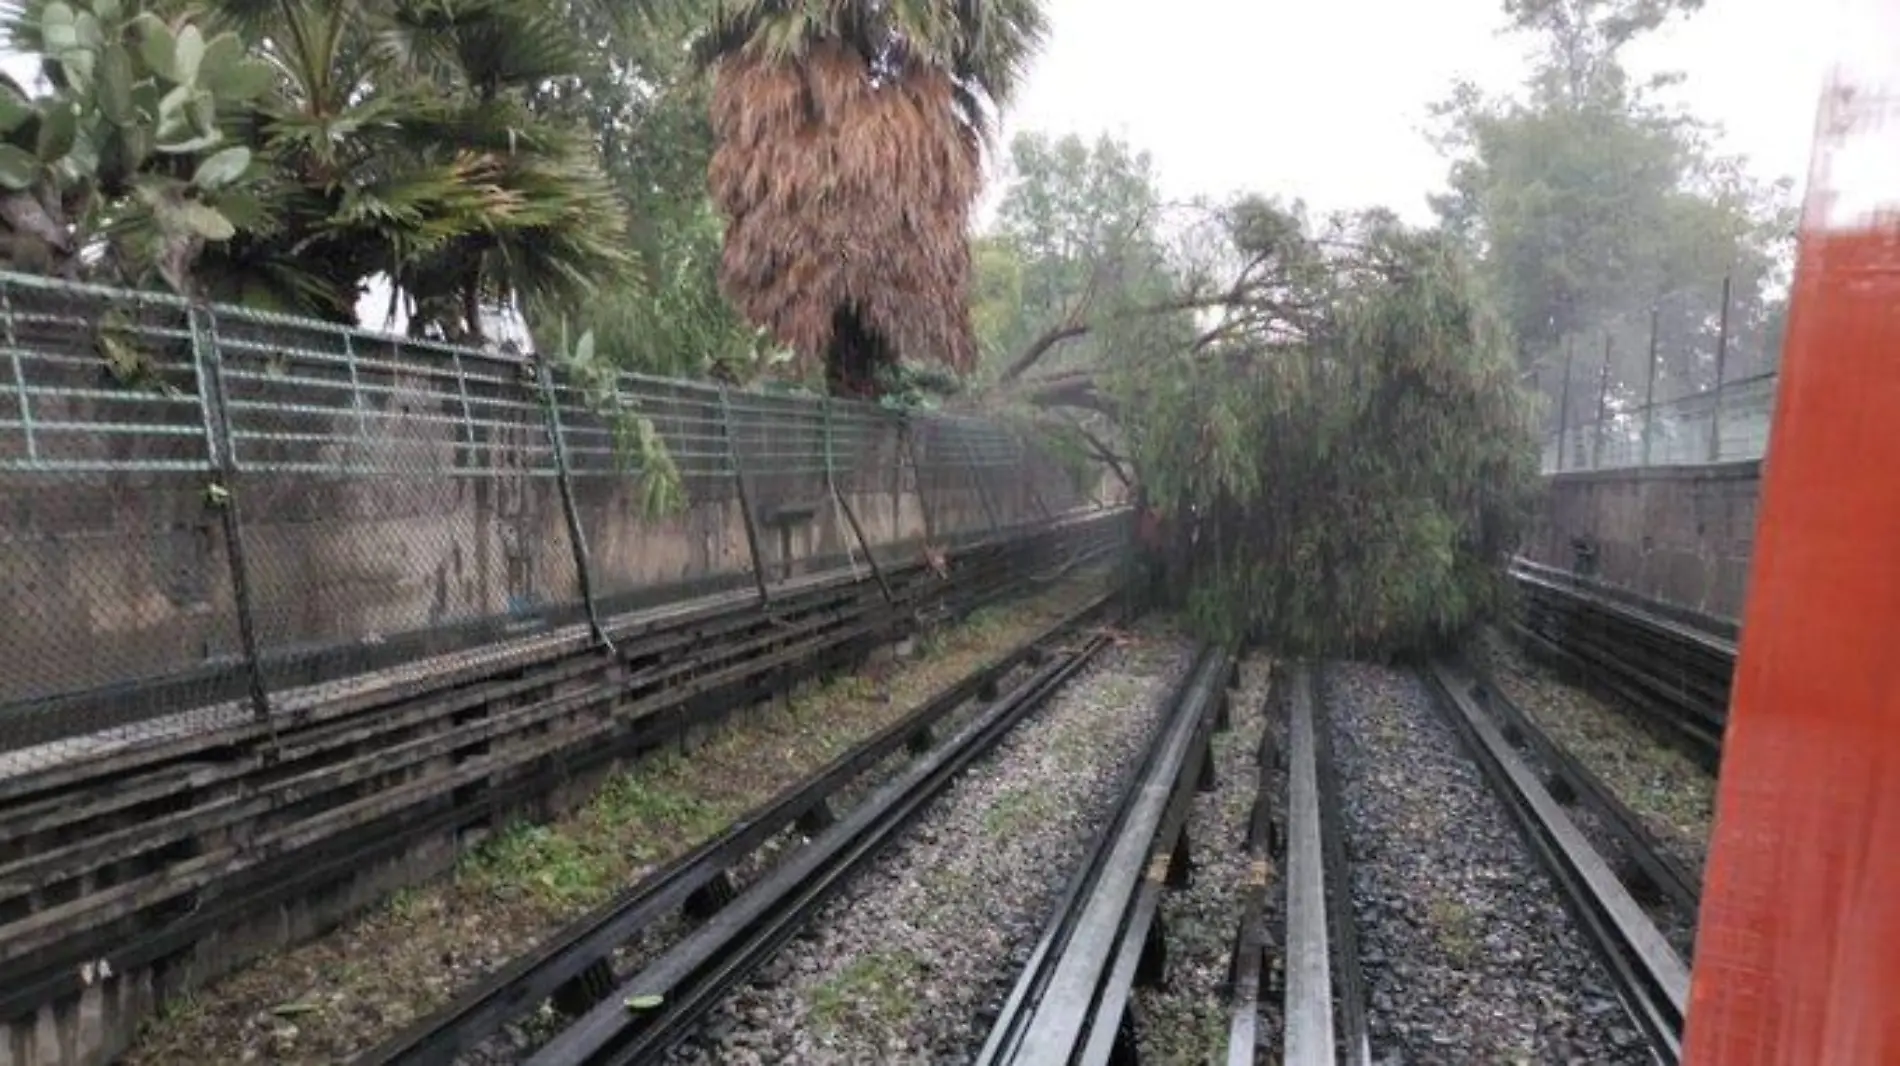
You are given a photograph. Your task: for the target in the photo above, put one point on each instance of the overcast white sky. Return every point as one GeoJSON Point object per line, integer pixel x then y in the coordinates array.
{"type": "Point", "coordinates": [1326, 100]}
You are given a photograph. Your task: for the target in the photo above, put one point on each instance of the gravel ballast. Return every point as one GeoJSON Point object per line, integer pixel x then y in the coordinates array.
{"type": "Point", "coordinates": [1469, 954]}
{"type": "Point", "coordinates": [908, 965]}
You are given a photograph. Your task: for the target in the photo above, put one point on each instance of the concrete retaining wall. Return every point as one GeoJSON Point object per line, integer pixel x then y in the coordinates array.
{"type": "Point", "coordinates": [1681, 534]}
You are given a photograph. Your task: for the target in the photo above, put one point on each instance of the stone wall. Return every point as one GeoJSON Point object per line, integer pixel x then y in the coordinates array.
{"type": "Point", "coordinates": [1679, 534]}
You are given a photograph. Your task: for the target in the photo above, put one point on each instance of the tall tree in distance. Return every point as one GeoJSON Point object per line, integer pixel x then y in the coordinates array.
{"type": "Point", "coordinates": [1082, 224]}
{"type": "Point", "coordinates": [645, 105]}
{"type": "Point", "coordinates": [848, 153]}
{"type": "Point", "coordinates": [1588, 202]}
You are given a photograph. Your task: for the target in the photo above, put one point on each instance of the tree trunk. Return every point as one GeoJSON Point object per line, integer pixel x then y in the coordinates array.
{"type": "Point", "coordinates": [856, 358]}
{"type": "Point", "coordinates": [472, 308]}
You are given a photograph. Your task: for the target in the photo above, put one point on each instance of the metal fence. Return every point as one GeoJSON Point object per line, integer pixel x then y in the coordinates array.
{"type": "Point", "coordinates": [204, 504]}
{"type": "Point", "coordinates": [1691, 381]}
{"type": "Point", "coordinates": [1724, 424]}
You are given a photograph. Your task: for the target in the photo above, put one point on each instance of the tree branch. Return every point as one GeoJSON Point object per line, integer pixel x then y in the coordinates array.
{"type": "Point", "coordinates": [1050, 338]}
{"type": "Point", "coordinates": [1104, 453]}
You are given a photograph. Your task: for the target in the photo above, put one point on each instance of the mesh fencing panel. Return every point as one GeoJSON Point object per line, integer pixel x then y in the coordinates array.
{"type": "Point", "coordinates": [114, 563]}
{"type": "Point", "coordinates": [1690, 381]}
{"type": "Point", "coordinates": [207, 511]}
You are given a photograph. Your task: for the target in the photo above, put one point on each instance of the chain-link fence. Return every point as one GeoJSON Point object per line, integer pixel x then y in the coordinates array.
{"type": "Point", "coordinates": [1690, 381]}
{"type": "Point", "coordinates": [203, 507]}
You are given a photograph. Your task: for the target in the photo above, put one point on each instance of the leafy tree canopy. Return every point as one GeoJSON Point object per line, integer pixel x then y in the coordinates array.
{"type": "Point", "coordinates": [1588, 203]}
{"type": "Point", "coordinates": [354, 138]}
{"type": "Point", "coordinates": [1326, 413]}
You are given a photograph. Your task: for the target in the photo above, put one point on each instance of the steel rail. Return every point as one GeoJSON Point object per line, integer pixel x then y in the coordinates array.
{"type": "Point", "coordinates": [1036, 971]}
{"type": "Point", "coordinates": [1141, 954]}
{"type": "Point", "coordinates": [1250, 944]}
{"type": "Point", "coordinates": [1309, 1035]}
{"type": "Point", "coordinates": [1690, 672]}
{"type": "Point", "coordinates": [1069, 1005]}
{"type": "Point", "coordinates": [1694, 734]}
{"type": "Point", "coordinates": [1674, 670]}
{"type": "Point", "coordinates": [1650, 978]}
{"type": "Point", "coordinates": [657, 1007]}
{"type": "Point", "coordinates": [1706, 633]}
{"type": "Point", "coordinates": [581, 946]}
{"type": "Point", "coordinates": [1668, 875]}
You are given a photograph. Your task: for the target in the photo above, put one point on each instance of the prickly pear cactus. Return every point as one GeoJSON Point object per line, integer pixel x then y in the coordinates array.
{"type": "Point", "coordinates": [135, 103]}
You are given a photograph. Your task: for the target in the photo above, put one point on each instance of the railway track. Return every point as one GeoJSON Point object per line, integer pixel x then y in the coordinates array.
{"type": "Point", "coordinates": [629, 1018]}
{"type": "Point", "coordinates": [1070, 1003]}
{"type": "Point", "coordinates": [1652, 870]}
{"type": "Point", "coordinates": [1263, 846]}
{"type": "Point", "coordinates": [1325, 1007]}
{"type": "Point", "coordinates": [1651, 980]}
{"type": "Point", "coordinates": [1671, 665]}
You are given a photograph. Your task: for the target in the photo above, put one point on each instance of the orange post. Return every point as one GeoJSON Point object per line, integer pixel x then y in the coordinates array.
{"type": "Point", "coordinates": [1798, 956]}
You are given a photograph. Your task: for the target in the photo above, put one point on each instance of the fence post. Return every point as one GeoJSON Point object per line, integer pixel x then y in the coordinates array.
{"type": "Point", "coordinates": [576, 537]}
{"type": "Point", "coordinates": [745, 495]}
{"type": "Point", "coordinates": [1563, 407]}
{"type": "Point", "coordinates": [1721, 374]}
{"type": "Point", "coordinates": [850, 516]}
{"type": "Point", "coordinates": [909, 448]}
{"type": "Point", "coordinates": [982, 492]}
{"type": "Point", "coordinates": [1603, 406]}
{"type": "Point", "coordinates": [1649, 389]}
{"type": "Point", "coordinates": [208, 363]}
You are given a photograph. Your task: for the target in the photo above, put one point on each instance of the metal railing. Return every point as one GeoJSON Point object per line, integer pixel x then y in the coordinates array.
{"type": "Point", "coordinates": [201, 504]}
{"type": "Point", "coordinates": [1689, 380]}
{"type": "Point", "coordinates": [1725, 424]}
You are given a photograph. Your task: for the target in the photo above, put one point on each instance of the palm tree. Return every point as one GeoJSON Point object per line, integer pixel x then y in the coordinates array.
{"type": "Point", "coordinates": [403, 142]}
{"type": "Point", "coordinates": [849, 138]}
{"type": "Point", "coordinates": [395, 137]}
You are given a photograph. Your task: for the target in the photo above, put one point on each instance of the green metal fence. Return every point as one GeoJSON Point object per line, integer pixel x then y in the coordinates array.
{"type": "Point", "coordinates": [1689, 380]}
{"type": "Point", "coordinates": [206, 504]}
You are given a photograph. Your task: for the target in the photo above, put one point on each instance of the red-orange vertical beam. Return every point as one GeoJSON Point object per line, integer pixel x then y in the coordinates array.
{"type": "Point", "coordinates": [1798, 956]}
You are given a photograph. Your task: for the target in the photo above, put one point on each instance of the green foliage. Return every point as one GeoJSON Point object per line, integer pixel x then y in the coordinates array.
{"type": "Point", "coordinates": [1590, 203]}
{"type": "Point", "coordinates": [638, 447]}
{"type": "Point", "coordinates": [1075, 243]}
{"type": "Point", "coordinates": [284, 154]}
{"type": "Point", "coordinates": [907, 387]}
{"type": "Point", "coordinates": [127, 153]}
{"type": "Point", "coordinates": [1351, 480]}
{"type": "Point", "coordinates": [647, 111]}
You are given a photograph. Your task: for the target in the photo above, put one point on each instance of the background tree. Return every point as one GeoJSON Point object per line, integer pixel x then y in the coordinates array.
{"type": "Point", "coordinates": [848, 141]}
{"type": "Point", "coordinates": [1080, 224]}
{"type": "Point", "coordinates": [389, 137]}
{"type": "Point", "coordinates": [1587, 203]}
{"type": "Point", "coordinates": [646, 107]}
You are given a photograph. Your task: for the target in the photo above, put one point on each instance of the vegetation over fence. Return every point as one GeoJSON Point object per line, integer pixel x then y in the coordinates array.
{"type": "Point", "coordinates": [269, 502]}
{"type": "Point", "coordinates": [551, 155]}
{"type": "Point", "coordinates": [738, 189]}
{"type": "Point", "coordinates": [1327, 409]}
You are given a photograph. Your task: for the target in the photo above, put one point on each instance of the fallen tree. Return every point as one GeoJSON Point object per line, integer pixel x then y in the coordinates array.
{"type": "Point", "coordinates": [1336, 440]}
